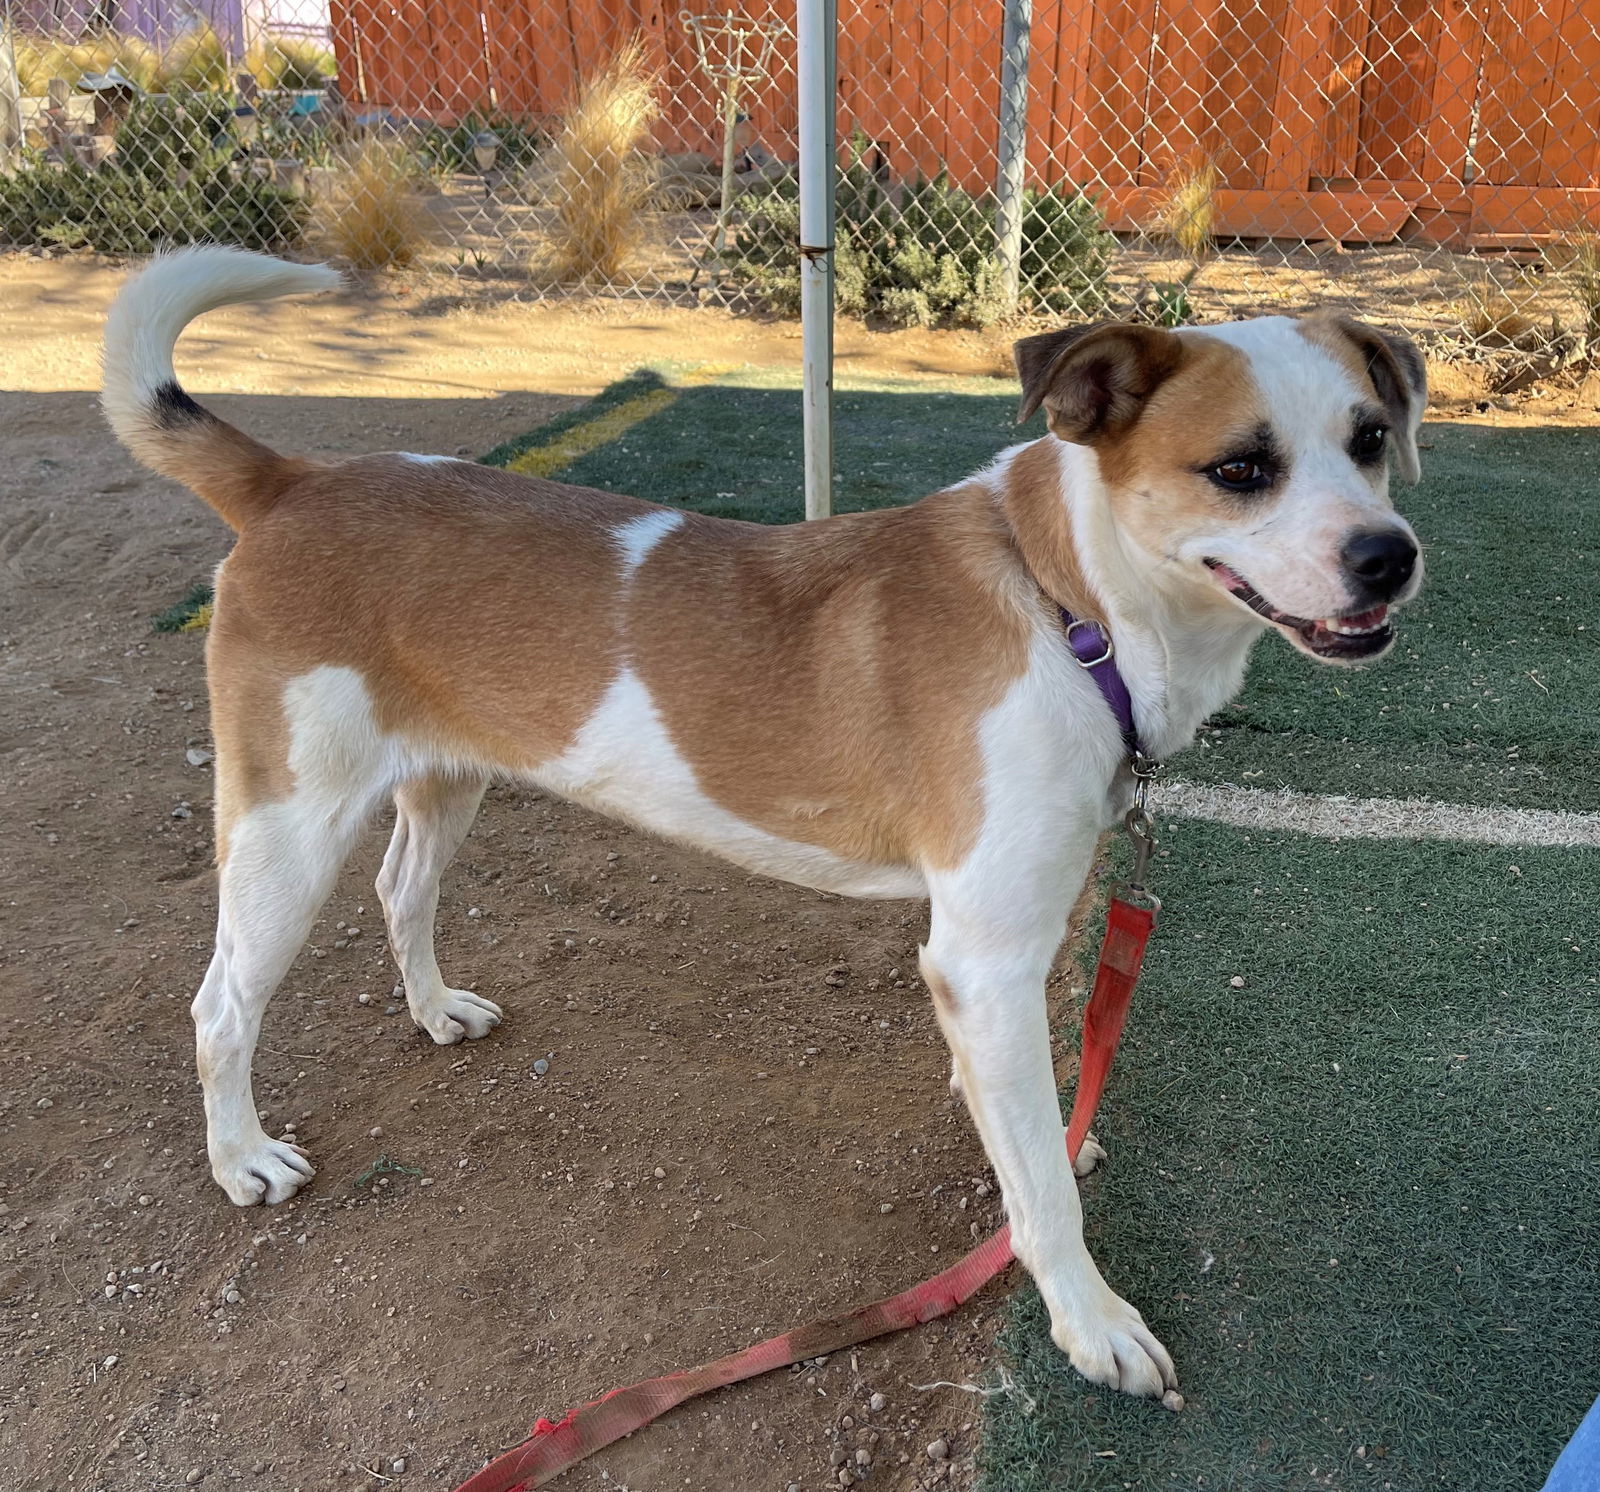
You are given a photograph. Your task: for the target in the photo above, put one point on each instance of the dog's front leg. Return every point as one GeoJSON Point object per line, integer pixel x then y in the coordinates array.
{"type": "Point", "coordinates": [986, 960]}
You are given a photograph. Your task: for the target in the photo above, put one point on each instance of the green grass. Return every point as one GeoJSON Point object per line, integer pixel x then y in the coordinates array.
{"type": "Point", "coordinates": [1405, 1086]}
{"type": "Point", "coordinates": [1357, 1197]}
{"type": "Point", "coordinates": [1491, 697]}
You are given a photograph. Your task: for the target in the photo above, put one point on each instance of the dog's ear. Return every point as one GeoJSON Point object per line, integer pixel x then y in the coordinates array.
{"type": "Point", "coordinates": [1400, 376]}
{"type": "Point", "coordinates": [1093, 380]}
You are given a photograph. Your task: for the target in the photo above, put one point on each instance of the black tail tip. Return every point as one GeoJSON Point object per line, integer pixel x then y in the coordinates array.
{"type": "Point", "coordinates": [173, 409]}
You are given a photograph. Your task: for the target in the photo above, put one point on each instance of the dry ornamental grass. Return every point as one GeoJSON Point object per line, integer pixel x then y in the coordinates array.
{"type": "Point", "coordinates": [598, 179]}
{"type": "Point", "coordinates": [370, 212]}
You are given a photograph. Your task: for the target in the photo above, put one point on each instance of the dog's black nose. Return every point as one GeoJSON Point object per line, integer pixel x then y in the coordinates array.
{"type": "Point", "coordinates": [1379, 562]}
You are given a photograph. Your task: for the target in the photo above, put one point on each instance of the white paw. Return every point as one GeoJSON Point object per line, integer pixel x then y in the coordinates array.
{"type": "Point", "coordinates": [457, 1015]}
{"type": "Point", "coordinates": [1110, 1344]}
{"type": "Point", "coordinates": [1090, 1154]}
{"type": "Point", "coordinates": [263, 1170]}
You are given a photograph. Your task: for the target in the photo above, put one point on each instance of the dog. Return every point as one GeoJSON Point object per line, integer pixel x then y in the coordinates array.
{"type": "Point", "coordinates": [883, 704]}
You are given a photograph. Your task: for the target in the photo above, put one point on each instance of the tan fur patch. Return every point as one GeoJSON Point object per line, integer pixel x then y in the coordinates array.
{"type": "Point", "coordinates": [826, 682]}
{"type": "Point", "coordinates": [1211, 398]}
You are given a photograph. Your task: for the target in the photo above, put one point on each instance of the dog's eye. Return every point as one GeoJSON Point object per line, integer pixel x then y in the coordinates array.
{"type": "Point", "coordinates": [1368, 444]}
{"type": "Point", "coordinates": [1239, 475]}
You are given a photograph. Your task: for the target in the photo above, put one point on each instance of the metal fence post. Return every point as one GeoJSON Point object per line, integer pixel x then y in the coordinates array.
{"type": "Point", "coordinates": [816, 24]}
{"type": "Point", "coordinates": [1013, 167]}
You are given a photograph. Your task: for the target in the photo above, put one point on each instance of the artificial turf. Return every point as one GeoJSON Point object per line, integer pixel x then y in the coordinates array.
{"type": "Point", "coordinates": [1491, 697]}
{"type": "Point", "coordinates": [1358, 1198]}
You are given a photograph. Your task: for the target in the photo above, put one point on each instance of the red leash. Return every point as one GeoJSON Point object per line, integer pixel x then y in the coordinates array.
{"type": "Point", "coordinates": [552, 1448]}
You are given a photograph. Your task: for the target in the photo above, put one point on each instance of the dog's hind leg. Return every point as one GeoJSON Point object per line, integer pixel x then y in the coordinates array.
{"type": "Point", "coordinates": [432, 817]}
{"type": "Point", "coordinates": [280, 865]}
{"type": "Point", "coordinates": [298, 770]}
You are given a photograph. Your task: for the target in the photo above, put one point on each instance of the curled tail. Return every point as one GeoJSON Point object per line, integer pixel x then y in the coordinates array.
{"type": "Point", "coordinates": [151, 415]}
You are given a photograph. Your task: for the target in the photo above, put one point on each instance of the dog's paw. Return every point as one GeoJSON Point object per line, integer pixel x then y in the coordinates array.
{"type": "Point", "coordinates": [269, 1171]}
{"type": "Point", "coordinates": [457, 1015]}
{"type": "Point", "coordinates": [1111, 1345]}
{"type": "Point", "coordinates": [1090, 1154]}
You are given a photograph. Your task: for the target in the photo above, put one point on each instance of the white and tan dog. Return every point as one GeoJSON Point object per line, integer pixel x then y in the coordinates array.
{"type": "Point", "coordinates": [879, 705]}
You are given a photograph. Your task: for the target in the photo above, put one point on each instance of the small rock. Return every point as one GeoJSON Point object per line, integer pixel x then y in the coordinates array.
{"type": "Point", "coordinates": [876, 1403]}
{"type": "Point", "coordinates": [232, 1297]}
{"type": "Point", "coordinates": [1172, 1400]}
{"type": "Point", "coordinates": [659, 1174]}
{"type": "Point", "coordinates": [886, 1208]}
{"type": "Point", "coordinates": [194, 1475]}
{"type": "Point", "coordinates": [111, 1292]}
{"type": "Point", "coordinates": [939, 1450]}
{"type": "Point", "coordinates": [838, 1456]}
{"type": "Point", "coordinates": [540, 1067]}
{"type": "Point", "coordinates": [398, 1466]}
{"type": "Point", "coordinates": [183, 811]}
{"type": "Point", "coordinates": [197, 756]}
{"type": "Point", "coordinates": [45, 1103]}
{"type": "Point", "coordinates": [863, 1457]}
{"type": "Point", "coordinates": [145, 1199]}
{"type": "Point", "coordinates": [1237, 981]}
{"type": "Point", "coordinates": [461, 1164]}
{"type": "Point", "coordinates": [110, 1362]}
{"type": "Point", "coordinates": [376, 1132]}
{"type": "Point", "coordinates": [259, 1469]}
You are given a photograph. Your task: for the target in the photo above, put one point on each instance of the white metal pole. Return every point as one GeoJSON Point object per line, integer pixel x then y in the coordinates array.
{"type": "Point", "coordinates": [1013, 170]}
{"type": "Point", "coordinates": [814, 29]}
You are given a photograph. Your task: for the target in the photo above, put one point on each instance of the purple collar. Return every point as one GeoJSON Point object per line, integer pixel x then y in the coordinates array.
{"type": "Point", "coordinates": [1096, 654]}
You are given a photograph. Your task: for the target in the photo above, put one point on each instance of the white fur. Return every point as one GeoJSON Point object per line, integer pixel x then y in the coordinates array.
{"type": "Point", "coordinates": [638, 536]}
{"type": "Point", "coordinates": [153, 308]}
{"type": "Point", "coordinates": [417, 460]}
{"type": "Point", "coordinates": [623, 762]}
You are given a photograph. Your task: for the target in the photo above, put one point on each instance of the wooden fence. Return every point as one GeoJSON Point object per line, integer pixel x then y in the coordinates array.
{"type": "Point", "coordinates": [1469, 122]}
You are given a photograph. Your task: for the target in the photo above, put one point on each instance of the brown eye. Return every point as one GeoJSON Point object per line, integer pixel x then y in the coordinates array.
{"type": "Point", "coordinates": [1368, 444]}
{"type": "Point", "coordinates": [1239, 476]}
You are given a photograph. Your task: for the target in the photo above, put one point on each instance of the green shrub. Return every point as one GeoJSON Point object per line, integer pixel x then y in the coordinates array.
{"type": "Point", "coordinates": [927, 259]}
{"type": "Point", "coordinates": [119, 211]}
{"type": "Point", "coordinates": [181, 131]}
{"type": "Point", "coordinates": [444, 150]}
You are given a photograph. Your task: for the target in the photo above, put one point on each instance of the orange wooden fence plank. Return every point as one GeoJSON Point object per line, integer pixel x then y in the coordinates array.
{"type": "Point", "coordinates": [1300, 108]}
{"type": "Point", "coordinates": [1398, 93]}
{"type": "Point", "coordinates": [1261, 212]}
{"type": "Point", "coordinates": [1341, 71]}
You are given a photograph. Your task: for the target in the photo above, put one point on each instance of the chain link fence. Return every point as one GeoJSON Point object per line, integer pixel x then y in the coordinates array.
{"type": "Point", "coordinates": [1433, 164]}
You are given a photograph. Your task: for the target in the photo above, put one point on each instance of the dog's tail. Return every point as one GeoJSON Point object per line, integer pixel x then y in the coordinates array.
{"type": "Point", "coordinates": [151, 414]}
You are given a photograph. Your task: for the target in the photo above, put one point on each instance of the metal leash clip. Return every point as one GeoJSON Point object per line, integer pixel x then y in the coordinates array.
{"type": "Point", "coordinates": [1140, 827]}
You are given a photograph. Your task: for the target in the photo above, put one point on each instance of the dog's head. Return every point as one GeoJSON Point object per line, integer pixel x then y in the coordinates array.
{"type": "Point", "coordinates": [1252, 460]}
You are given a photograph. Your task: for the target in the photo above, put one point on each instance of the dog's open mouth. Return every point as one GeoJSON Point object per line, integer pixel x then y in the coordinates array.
{"type": "Point", "coordinates": [1340, 639]}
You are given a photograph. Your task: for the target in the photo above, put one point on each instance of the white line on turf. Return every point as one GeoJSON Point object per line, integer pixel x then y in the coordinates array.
{"type": "Point", "coordinates": [1376, 818]}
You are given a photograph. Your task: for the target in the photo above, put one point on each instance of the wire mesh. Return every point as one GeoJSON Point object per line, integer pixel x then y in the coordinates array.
{"type": "Point", "coordinates": [1428, 163]}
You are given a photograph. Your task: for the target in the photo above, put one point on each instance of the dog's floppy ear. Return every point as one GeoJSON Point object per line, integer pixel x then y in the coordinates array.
{"type": "Point", "coordinates": [1093, 380]}
{"type": "Point", "coordinates": [1400, 376]}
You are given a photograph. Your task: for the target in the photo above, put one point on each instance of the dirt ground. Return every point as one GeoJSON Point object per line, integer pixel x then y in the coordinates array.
{"type": "Point", "coordinates": [743, 1124]}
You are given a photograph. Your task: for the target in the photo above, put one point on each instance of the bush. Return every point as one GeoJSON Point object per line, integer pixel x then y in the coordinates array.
{"type": "Point", "coordinates": [928, 259]}
{"type": "Point", "coordinates": [290, 62]}
{"type": "Point", "coordinates": [445, 150]}
{"type": "Point", "coordinates": [180, 132]}
{"type": "Point", "coordinates": [370, 213]}
{"type": "Point", "coordinates": [171, 181]}
{"type": "Point", "coordinates": [598, 182]}
{"type": "Point", "coordinates": [120, 212]}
